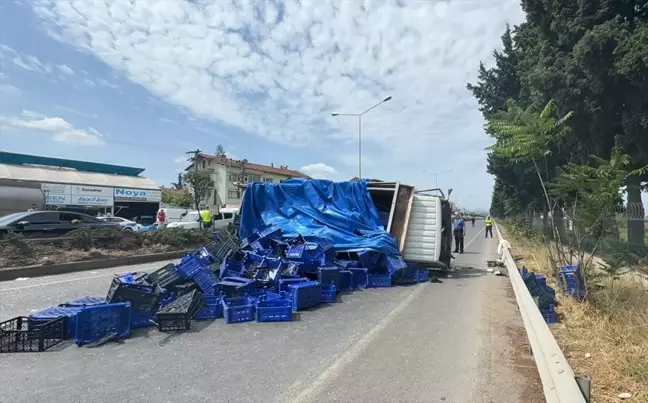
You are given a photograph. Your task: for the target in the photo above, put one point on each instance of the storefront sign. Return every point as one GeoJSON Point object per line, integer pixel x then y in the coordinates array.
{"type": "Point", "coordinates": [83, 190]}
{"type": "Point", "coordinates": [138, 195]}
{"type": "Point", "coordinates": [57, 200]}
{"type": "Point", "coordinates": [92, 201]}
{"type": "Point", "coordinates": [51, 189]}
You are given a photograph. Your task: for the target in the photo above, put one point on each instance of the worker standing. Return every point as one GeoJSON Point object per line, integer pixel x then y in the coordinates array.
{"type": "Point", "coordinates": [206, 218]}
{"type": "Point", "coordinates": [161, 219]}
{"type": "Point", "coordinates": [489, 226]}
{"type": "Point", "coordinates": [473, 221]}
{"type": "Point", "coordinates": [459, 227]}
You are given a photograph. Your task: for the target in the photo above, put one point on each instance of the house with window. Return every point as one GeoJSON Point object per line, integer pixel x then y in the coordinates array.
{"type": "Point", "coordinates": [230, 177]}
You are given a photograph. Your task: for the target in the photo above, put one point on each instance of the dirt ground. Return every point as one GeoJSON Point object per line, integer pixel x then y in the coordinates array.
{"type": "Point", "coordinates": [53, 253]}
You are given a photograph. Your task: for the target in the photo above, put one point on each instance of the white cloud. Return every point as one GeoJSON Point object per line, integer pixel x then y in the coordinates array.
{"type": "Point", "coordinates": [66, 69]}
{"type": "Point", "coordinates": [24, 61]}
{"type": "Point", "coordinates": [78, 112]}
{"type": "Point", "coordinates": [280, 73]}
{"type": "Point", "coordinates": [8, 89]}
{"type": "Point", "coordinates": [319, 171]}
{"type": "Point", "coordinates": [181, 160]}
{"type": "Point", "coordinates": [62, 130]}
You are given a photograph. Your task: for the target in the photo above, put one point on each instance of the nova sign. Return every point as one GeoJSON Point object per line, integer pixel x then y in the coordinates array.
{"type": "Point", "coordinates": [139, 195]}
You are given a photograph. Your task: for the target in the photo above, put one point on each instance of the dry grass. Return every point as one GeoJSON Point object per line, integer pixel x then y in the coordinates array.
{"type": "Point", "coordinates": [612, 326]}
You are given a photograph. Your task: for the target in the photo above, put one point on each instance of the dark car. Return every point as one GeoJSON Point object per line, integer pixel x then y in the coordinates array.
{"type": "Point", "coordinates": [49, 223]}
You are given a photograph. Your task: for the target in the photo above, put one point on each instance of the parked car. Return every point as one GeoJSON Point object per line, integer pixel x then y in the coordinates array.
{"type": "Point", "coordinates": [126, 225]}
{"type": "Point", "coordinates": [49, 223]}
{"type": "Point", "coordinates": [191, 220]}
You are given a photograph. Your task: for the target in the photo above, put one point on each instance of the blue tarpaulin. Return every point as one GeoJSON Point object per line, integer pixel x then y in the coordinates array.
{"type": "Point", "coordinates": [341, 212]}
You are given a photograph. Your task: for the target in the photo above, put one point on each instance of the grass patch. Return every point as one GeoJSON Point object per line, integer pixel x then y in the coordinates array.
{"type": "Point", "coordinates": [612, 327]}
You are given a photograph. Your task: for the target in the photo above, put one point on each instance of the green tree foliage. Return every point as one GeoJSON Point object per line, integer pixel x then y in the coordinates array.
{"type": "Point", "coordinates": [589, 57]}
{"type": "Point", "coordinates": [180, 183]}
{"type": "Point", "coordinates": [199, 184]}
{"type": "Point", "coordinates": [180, 199]}
{"type": "Point", "coordinates": [220, 150]}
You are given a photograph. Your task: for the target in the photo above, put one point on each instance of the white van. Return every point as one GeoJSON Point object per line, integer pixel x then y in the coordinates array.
{"type": "Point", "coordinates": [192, 219]}
{"type": "Point", "coordinates": [173, 214]}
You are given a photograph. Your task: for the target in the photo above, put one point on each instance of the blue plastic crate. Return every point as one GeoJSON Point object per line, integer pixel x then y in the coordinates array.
{"type": "Point", "coordinates": [85, 301]}
{"type": "Point", "coordinates": [524, 271]}
{"type": "Point", "coordinates": [380, 280]}
{"type": "Point", "coordinates": [346, 280]}
{"type": "Point", "coordinates": [205, 279]}
{"type": "Point", "coordinates": [347, 264]}
{"type": "Point", "coordinates": [49, 314]}
{"type": "Point", "coordinates": [235, 286]}
{"type": "Point", "coordinates": [549, 315]}
{"type": "Point", "coordinates": [571, 281]}
{"type": "Point", "coordinates": [368, 258]}
{"type": "Point", "coordinates": [285, 282]}
{"type": "Point", "coordinates": [233, 265]}
{"type": "Point", "coordinates": [247, 242]}
{"type": "Point", "coordinates": [547, 297]}
{"type": "Point", "coordinates": [213, 308]}
{"type": "Point", "coordinates": [95, 322]}
{"type": "Point", "coordinates": [141, 319]}
{"type": "Point", "coordinates": [328, 293]}
{"type": "Point", "coordinates": [394, 264]}
{"type": "Point", "coordinates": [305, 295]}
{"type": "Point", "coordinates": [237, 310]}
{"type": "Point", "coordinates": [189, 265]}
{"type": "Point", "coordinates": [360, 277]}
{"type": "Point", "coordinates": [531, 281]}
{"type": "Point", "coordinates": [422, 275]}
{"type": "Point", "coordinates": [328, 275]}
{"type": "Point", "coordinates": [542, 280]}
{"type": "Point", "coordinates": [274, 310]}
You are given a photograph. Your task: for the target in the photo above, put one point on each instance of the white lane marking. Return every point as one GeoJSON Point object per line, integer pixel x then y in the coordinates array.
{"type": "Point", "coordinates": [66, 281]}
{"type": "Point", "coordinates": [475, 237]}
{"type": "Point", "coordinates": [333, 371]}
{"type": "Point", "coordinates": [55, 282]}
{"type": "Point", "coordinates": [22, 278]}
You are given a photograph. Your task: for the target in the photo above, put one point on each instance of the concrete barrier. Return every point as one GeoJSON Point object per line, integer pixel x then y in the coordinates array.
{"type": "Point", "coordinates": [12, 273]}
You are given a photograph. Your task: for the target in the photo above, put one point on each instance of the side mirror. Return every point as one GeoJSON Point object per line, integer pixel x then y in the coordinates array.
{"type": "Point", "coordinates": [22, 224]}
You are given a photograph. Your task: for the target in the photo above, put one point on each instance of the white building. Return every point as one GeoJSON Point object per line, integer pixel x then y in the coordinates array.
{"type": "Point", "coordinates": [228, 176]}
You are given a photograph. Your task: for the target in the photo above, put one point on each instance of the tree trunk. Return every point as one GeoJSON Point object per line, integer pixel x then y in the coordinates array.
{"type": "Point", "coordinates": [635, 213]}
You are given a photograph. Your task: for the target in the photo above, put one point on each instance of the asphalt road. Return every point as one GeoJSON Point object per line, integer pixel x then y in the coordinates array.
{"type": "Point", "coordinates": [460, 340]}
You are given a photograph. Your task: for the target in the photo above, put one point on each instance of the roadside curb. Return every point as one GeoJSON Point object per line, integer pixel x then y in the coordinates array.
{"type": "Point", "coordinates": [12, 273]}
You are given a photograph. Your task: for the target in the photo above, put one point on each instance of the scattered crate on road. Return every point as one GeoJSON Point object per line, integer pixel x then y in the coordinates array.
{"type": "Point", "coordinates": [305, 295]}
{"type": "Point", "coordinates": [274, 310]}
{"type": "Point", "coordinates": [178, 314]}
{"type": "Point", "coordinates": [17, 335]}
{"type": "Point", "coordinates": [68, 313]}
{"type": "Point", "coordinates": [85, 301]}
{"type": "Point", "coordinates": [166, 276]}
{"type": "Point", "coordinates": [328, 293]}
{"type": "Point", "coordinates": [95, 322]}
{"type": "Point", "coordinates": [380, 280]}
{"type": "Point", "coordinates": [236, 310]}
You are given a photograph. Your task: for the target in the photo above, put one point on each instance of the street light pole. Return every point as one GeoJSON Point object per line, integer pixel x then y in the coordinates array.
{"type": "Point", "coordinates": [359, 116]}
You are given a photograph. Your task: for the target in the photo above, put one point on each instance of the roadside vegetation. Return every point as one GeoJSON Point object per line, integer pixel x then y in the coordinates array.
{"type": "Point", "coordinates": [604, 337]}
{"type": "Point", "coordinates": [99, 243]}
{"type": "Point", "coordinates": [565, 105]}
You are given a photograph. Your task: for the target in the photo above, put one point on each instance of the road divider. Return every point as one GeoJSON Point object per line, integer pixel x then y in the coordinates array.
{"type": "Point", "coordinates": [12, 273]}
{"type": "Point", "coordinates": [557, 376]}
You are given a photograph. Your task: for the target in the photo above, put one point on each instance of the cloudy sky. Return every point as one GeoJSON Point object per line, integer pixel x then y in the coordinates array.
{"type": "Point", "coordinates": [139, 83]}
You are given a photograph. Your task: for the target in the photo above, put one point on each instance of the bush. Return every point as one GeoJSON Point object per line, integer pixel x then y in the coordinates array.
{"type": "Point", "coordinates": [176, 237]}
{"type": "Point", "coordinates": [108, 238]}
{"type": "Point", "coordinates": [15, 246]}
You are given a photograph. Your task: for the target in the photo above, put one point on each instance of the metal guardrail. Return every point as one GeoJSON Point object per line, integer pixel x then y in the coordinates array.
{"type": "Point", "coordinates": [557, 376]}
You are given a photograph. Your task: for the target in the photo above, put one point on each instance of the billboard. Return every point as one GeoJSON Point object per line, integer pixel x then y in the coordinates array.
{"type": "Point", "coordinates": [138, 195]}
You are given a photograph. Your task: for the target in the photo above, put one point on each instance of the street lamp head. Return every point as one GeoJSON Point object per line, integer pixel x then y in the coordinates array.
{"type": "Point", "coordinates": [334, 114]}
{"type": "Point", "coordinates": [388, 98]}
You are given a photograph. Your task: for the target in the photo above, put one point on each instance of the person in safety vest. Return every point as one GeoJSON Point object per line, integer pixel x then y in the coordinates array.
{"type": "Point", "coordinates": [206, 218]}
{"type": "Point", "coordinates": [459, 227]}
{"type": "Point", "coordinates": [489, 226]}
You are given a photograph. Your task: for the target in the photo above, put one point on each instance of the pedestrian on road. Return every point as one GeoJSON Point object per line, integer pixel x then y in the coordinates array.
{"type": "Point", "coordinates": [473, 221]}
{"type": "Point", "coordinates": [459, 227]}
{"type": "Point", "coordinates": [489, 226]}
{"type": "Point", "coordinates": [161, 219]}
